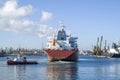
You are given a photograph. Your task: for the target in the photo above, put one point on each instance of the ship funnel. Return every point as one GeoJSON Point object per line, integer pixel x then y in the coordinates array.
{"type": "Point", "coordinates": [53, 42]}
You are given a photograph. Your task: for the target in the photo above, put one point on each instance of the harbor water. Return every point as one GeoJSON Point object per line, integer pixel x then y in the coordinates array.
{"type": "Point", "coordinates": [87, 68]}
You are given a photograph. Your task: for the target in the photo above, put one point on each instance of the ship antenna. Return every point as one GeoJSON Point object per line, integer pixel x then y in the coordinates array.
{"type": "Point", "coordinates": [62, 25]}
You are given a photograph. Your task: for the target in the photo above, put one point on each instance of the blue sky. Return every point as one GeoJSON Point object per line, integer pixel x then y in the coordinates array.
{"type": "Point", "coordinates": [27, 23]}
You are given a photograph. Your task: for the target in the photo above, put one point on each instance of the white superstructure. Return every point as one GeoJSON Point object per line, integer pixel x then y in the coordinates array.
{"type": "Point", "coordinates": [62, 41]}
{"type": "Point", "coordinates": [115, 49]}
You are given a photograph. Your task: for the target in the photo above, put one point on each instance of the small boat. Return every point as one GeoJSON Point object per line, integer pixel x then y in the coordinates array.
{"type": "Point", "coordinates": [11, 62]}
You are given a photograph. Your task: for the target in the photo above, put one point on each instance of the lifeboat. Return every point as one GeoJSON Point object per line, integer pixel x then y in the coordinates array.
{"type": "Point", "coordinates": [11, 62]}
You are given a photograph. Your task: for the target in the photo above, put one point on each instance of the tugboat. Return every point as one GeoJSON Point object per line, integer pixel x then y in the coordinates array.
{"type": "Point", "coordinates": [62, 47]}
{"type": "Point", "coordinates": [11, 62]}
{"type": "Point", "coordinates": [19, 60]}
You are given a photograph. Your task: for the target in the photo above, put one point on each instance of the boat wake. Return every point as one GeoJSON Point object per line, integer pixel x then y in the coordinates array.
{"type": "Point", "coordinates": [60, 62]}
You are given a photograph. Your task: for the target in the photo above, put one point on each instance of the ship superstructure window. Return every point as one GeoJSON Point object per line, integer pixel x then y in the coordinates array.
{"type": "Point", "coordinates": [61, 35]}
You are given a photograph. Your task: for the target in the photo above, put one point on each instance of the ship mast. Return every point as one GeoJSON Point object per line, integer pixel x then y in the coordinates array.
{"type": "Point", "coordinates": [62, 26]}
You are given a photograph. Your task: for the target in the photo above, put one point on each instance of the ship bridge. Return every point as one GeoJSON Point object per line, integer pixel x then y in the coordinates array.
{"type": "Point", "coordinates": [61, 35]}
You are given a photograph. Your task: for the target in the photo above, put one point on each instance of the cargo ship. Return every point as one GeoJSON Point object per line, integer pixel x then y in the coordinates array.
{"type": "Point", "coordinates": [114, 52]}
{"type": "Point", "coordinates": [62, 46]}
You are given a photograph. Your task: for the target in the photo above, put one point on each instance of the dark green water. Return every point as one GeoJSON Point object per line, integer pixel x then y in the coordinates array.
{"type": "Point", "coordinates": [87, 68]}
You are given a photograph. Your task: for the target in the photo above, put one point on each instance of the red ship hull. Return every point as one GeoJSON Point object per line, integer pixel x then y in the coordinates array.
{"type": "Point", "coordinates": [62, 55]}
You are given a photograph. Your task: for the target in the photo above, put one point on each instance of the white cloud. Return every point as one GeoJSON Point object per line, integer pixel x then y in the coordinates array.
{"type": "Point", "coordinates": [45, 31]}
{"type": "Point", "coordinates": [11, 9]}
{"type": "Point", "coordinates": [46, 16]}
{"type": "Point", "coordinates": [12, 17]}
{"type": "Point", "coordinates": [16, 25]}
{"type": "Point", "coordinates": [20, 26]}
